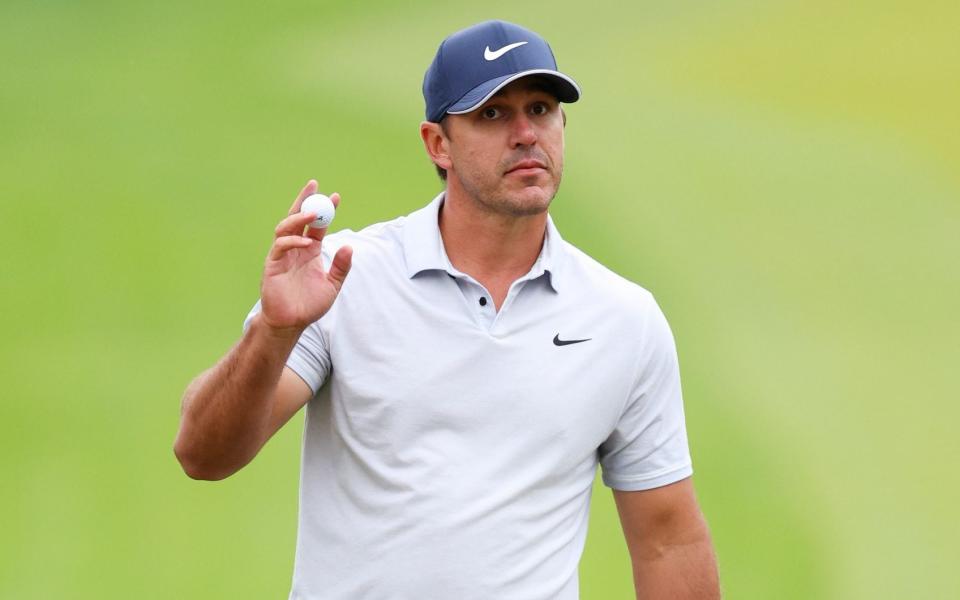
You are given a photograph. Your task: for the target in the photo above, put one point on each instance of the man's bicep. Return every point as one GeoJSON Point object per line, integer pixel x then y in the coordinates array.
{"type": "Point", "coordinates": [658, 517]}
{"type": "Point", "coordinates": [291, 395]}
{"type": "Point", "coordinates": [669, 543]}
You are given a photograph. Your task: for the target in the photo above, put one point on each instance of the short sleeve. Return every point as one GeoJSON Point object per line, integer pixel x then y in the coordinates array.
{"type": "Point", "coordinates": [310, 358]}
{"type": "Point", "coordinates": [648, 447]}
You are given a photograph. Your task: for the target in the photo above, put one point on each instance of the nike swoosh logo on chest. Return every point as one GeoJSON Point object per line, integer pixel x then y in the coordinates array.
{"type": "Point", "coordinates": [558, 342]}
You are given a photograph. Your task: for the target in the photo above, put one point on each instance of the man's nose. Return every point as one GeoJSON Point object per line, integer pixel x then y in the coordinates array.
{"type": "Point", "coordinates": [523, 133]}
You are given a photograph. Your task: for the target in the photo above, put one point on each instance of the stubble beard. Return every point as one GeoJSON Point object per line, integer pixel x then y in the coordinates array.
{"type": "Point", "coordinates": [528, 201]}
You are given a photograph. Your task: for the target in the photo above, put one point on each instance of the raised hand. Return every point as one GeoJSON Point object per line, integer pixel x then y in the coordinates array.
{"type": "Point", "coordinates": [296, 289]}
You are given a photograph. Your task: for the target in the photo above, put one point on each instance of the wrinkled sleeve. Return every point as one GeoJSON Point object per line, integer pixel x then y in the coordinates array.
{"type": "Point", "coordinates": [648, 447]}
{"type": "Point", "coordinates": [310, 358]}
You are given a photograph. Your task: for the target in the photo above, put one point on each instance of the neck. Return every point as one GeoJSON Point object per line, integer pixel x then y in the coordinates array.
{"type": "Point", "coordinates": [493, 248]}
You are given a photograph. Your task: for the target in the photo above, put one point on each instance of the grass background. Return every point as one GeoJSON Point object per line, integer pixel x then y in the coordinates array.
{"type": "Point", "coordinates": [784, 176]}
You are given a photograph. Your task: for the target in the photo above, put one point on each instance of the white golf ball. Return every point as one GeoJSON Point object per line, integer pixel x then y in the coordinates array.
{"type": "Point", "coordinates": [322, 206]}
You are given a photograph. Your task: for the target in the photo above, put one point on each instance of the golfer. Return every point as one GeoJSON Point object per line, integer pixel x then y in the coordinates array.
{"type": "Point", "coordinates": [465, 371]}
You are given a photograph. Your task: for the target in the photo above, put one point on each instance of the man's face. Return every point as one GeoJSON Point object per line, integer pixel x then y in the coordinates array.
{"type": "Point", "coordinates": [507, 155]}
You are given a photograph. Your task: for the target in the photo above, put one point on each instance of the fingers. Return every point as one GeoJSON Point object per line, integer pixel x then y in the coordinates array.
{"type": "Point", "coordinates": [294, 224]}
{"type": "Point", "coordinates": [282, 245]}
{"type": "Point", "coordinates": [309, 189]}
{"type": "Point", "coordinates": [318, 233]}
{"type": "Point", "coordinates": [290, 234]}
{"type": "Point", "coordinates": [340, 266]}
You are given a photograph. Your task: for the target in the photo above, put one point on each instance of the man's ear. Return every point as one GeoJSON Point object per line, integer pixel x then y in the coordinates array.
{"type": "Point", "coordinates": [436, 143]}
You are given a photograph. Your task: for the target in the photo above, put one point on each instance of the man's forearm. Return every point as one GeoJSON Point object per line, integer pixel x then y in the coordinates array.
{"type": "Point", "coordinates": [684, 571]}
{"type": "Point", "coordinates": [225, 413]}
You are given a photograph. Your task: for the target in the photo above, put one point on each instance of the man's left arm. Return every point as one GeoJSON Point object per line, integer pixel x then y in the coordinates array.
{"type": "Point", "coordinates": [669, 543]}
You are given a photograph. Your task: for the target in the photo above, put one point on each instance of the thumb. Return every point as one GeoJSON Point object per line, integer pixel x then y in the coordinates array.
{"type": "Point", "coordinates": [340, 266]}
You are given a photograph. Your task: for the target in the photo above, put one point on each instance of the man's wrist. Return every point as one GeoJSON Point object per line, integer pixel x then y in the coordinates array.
{"type": "Point", "coordinates": [261, 327]}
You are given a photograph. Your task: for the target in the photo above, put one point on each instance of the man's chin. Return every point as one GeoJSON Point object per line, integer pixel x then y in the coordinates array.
{"type": "Point", "coordinates": [528, 202]}
{"type": "Point", "coordinates": [529, 210]}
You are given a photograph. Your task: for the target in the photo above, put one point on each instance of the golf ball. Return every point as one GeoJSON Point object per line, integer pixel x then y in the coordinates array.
{"type": "Point", "coordinates": [322, 206]}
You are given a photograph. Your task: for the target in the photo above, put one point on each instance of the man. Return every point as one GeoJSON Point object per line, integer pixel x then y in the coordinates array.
{"type": "Point", "coordinates": [464, 382]}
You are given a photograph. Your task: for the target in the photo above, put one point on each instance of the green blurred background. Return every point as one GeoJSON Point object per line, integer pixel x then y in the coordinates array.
{"type": "Point", "coordinates": [784, 176]}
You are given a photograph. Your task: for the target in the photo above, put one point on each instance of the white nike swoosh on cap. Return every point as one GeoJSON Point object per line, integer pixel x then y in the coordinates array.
{"type": "Point", "coordinates": [494, 55]}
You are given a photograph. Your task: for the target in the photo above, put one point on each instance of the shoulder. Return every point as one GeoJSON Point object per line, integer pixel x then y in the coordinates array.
{"type": "Point", "coordinates": [374, 243]}
{"type": "Point", "coordinates": [603, 285]}
{"type": "Point", "coordinates": [381, 234]}
{"type": "Point", "coordinates": [629, 311]}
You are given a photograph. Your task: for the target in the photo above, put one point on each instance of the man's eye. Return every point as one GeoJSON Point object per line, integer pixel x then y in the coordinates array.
{"type": "Point", "coordinates": [490, 113]}
{"type": "Point", "coordinates": [540, 109]}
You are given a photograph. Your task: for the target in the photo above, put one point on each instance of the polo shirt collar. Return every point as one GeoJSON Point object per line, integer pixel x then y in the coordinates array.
{"type": "Point", "coordinates": [423, 247]}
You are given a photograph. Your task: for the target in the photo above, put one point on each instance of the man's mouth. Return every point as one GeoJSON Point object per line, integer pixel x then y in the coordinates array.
{"type": "Point", "coordinates": [527, 167]}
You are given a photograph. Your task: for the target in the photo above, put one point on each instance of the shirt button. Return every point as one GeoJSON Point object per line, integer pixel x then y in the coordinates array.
{"type": "Point", "coordinates": [483, 301]}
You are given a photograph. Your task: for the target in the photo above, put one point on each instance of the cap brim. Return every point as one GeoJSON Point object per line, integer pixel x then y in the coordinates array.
{"type": "Point", "coordinates": [566, 89]}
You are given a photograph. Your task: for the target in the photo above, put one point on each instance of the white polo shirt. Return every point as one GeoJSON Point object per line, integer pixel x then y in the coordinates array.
{"type": "Point", "coordinates": [450, 450]}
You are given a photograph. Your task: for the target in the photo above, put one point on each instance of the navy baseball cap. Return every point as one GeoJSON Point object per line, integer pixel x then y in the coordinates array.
{"type": "Point", "coordinates": [473, 64]}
